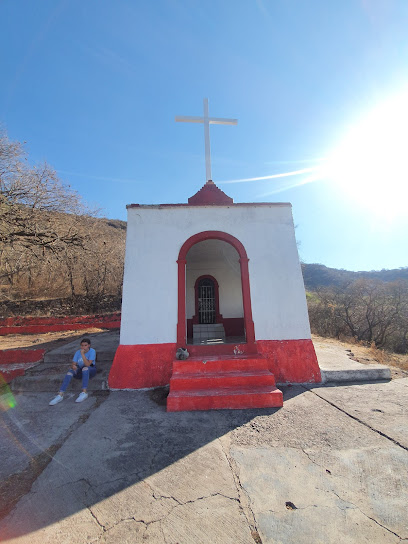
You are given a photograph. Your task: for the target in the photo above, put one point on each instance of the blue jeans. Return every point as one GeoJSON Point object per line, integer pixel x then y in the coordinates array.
{"type": "Point", "coordinates": [85, 373]}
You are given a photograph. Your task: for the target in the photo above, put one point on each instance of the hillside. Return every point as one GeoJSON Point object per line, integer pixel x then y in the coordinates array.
{"type": "Point", "coordinates": [103, 240]}
{"type": "Point", "coordinates": [318, 275]}
{"type": "Point", "coordinates": [87, 264]}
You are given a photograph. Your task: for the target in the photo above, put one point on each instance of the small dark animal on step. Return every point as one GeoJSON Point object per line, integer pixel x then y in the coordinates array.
{"type": "Point", "coordinates": [182, 353]}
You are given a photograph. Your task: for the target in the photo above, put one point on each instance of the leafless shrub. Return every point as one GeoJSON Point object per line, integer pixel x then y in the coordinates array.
{"type": "Point", "coordinates": [369, 311]}
{"type": "Point", "coordinates": [51, 243]}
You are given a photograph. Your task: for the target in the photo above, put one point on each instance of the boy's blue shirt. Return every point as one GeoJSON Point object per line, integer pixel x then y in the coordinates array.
{"type": "Point", "coordinates": [90, 356]}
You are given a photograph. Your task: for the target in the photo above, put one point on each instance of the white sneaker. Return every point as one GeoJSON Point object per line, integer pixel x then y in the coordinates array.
{"type": "Point", "coordinates": [57, 399]}
{"type": "Point", "coordinates": [82, 396]}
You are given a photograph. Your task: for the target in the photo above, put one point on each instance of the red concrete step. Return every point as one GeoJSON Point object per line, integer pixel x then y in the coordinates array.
{"type": "Point", "coordinates": [215, 382]}
{"type": "Point", "coordinates": [229, 350]}
{"type": "Point", "coordinates": [238, 363]}
{"type": "Point", "coordinates": [222, 380]}
{"type": "Point", "coordinates": [215, 399]}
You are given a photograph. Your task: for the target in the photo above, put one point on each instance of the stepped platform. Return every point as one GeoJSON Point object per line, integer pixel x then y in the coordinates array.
{"type": "Point", "coordinates": [47, 376]}
{"type": "Point", "coordinates": [222, 382]}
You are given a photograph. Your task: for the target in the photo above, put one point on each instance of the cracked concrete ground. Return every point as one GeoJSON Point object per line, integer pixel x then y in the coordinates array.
{"type": "Point", "coordinates": [329, 467]}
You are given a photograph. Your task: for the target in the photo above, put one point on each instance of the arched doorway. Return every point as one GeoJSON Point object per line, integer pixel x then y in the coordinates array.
{"type": "Point", "coordinates": [243, 271]}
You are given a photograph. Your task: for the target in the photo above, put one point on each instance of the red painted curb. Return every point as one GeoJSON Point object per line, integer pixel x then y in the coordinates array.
{"type": "Point", "coordinates": [9, 372]}
{"type": "Point", "coordinates": [12, 356]}
{"type": "Point", "coordinates": [39, 325]}
{"type": "Point", "coordinates": [8, 375]}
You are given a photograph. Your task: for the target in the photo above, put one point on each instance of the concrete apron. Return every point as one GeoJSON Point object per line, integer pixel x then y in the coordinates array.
{"type": "Point", "coordinates": [337, 367]}
{"type": "Point", "coordinates": [329, 467]}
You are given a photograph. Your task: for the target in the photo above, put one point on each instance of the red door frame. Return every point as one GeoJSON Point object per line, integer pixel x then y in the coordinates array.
{"type": "Point", "coordinates": [246, 293]}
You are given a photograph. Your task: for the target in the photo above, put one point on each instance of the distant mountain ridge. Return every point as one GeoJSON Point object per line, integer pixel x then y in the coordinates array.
{"type": "Point", "coordinates": [318, 275]}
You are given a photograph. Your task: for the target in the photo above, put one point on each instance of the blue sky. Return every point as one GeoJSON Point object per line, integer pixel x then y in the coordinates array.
{"type": "Point", "coordinates": [93, 86]}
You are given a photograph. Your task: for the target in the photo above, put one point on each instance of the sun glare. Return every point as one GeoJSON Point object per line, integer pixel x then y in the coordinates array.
{"type": "Point", "coordinates": [371, 164]}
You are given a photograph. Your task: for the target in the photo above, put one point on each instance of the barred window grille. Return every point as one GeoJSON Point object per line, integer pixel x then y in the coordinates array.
{"type": "Point", "coordinates": [206, 301]}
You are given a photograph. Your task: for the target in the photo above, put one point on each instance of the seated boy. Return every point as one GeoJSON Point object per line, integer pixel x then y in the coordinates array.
{"type": "Point", "coordinates": [83, 366]}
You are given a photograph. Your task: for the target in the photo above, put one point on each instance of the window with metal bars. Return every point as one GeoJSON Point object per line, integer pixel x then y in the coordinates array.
{"type": "Point", "coordinates": [206, 301]}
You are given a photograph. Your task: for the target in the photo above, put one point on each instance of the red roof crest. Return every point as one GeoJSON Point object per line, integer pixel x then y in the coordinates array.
{"type": "Point", "coordinates": [210, 194]}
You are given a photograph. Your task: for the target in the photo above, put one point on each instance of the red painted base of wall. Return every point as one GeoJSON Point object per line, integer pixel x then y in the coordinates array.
{"type": "Point", "coordinates": [38, 325]}
{"type": "Point", "coordinates": [143, 365]}
{"type": "Point", "coordinates": [291, 361]}
{"type": "Point", "coordinates": [151, 365]}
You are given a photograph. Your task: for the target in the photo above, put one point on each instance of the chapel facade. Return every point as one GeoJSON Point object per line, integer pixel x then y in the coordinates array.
{"type": "Point", "coordinates": [223, 280]}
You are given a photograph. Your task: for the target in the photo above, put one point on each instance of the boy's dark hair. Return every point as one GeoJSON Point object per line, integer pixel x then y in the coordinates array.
{"type": "Point", "coordinates": [86, 340]}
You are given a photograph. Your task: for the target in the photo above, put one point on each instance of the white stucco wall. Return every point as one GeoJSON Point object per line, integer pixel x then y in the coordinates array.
{"type": "Point", "coordinates": [154, 237]}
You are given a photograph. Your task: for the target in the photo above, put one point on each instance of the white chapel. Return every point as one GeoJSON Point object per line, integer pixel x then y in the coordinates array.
{"type": "Point", "coordinates": [223, 280]}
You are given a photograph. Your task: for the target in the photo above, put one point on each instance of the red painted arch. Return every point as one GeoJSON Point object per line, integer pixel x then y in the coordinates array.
{"type": "Point", "coordinates": [246, 293]}
{"type": "Point", "coordinates": [212, 235]}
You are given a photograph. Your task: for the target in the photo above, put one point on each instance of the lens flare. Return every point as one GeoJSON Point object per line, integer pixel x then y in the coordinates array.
{"type": "Point", "coordinates": [368, 166]}
{"type": "Point", "coordinates": [7, 399]}
{"type": "Point", "coordinates": [272, 176]}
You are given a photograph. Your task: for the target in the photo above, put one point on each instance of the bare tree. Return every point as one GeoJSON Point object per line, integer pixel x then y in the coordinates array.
{"type": "Point", "coordinates": [51, 243]}
{"type": "Point", "coordinates": [367, 310]}
{"type": "Point", "coordinates": [28, 196]}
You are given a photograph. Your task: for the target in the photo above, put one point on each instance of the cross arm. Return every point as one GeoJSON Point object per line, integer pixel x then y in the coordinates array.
{"type": "Point", "coordinates": [211, 120]}
{"type": "Point", "coordinates": [184, 119]}
{"type": "Point", "coordinates": [217, 121]}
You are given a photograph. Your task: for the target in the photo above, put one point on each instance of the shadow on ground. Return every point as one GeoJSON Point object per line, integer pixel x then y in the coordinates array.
{"type": "Point", "coordinates": [128, 437]}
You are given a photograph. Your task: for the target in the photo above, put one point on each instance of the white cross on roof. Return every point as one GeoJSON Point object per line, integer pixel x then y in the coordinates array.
{"type": "Point", "coordinates": [207, 122]}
